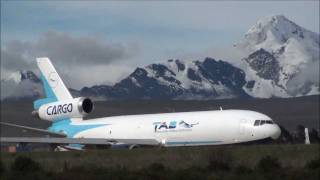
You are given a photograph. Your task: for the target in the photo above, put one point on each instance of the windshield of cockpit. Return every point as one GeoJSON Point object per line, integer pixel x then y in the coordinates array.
{"type": "Point", "coordinates": [262, 122]}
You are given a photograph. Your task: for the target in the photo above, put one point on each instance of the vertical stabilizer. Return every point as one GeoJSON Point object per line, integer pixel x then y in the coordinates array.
{"type": "Point", "coordinates": [54, 87]}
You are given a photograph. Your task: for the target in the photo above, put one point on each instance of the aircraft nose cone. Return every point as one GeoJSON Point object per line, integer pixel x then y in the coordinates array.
{"type": "Point", "coordinates": [276, 132]}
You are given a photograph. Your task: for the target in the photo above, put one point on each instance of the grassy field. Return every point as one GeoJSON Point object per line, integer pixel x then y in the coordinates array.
{"type": "Point", "coordinates": [289, 158]}
{"type": "Point", "coordinates": [176, 158]}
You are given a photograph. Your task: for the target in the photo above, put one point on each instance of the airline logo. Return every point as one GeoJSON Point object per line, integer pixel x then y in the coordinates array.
{"type": "Point", "coordinates": [172, 126]}
{"type": "Point", "coordinates": [59, 109]}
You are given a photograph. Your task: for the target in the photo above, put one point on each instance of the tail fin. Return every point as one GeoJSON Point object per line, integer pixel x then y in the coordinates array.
{"type": "Point", "coordinates": [54, 87]}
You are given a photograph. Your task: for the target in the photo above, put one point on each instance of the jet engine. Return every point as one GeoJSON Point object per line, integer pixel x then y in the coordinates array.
{"type": "Point", "coordinates": [73, 108]}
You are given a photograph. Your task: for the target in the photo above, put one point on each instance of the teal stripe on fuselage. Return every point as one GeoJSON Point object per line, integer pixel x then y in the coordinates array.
{"type": "Point", "coordinates": [192, 142]}
{"type": "Point", "coordinates": [40, 102]}
{"type": "Point", "coordinates": [66, 127]}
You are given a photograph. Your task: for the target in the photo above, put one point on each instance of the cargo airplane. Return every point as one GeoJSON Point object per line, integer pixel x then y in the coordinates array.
{"type": "Point", "coordinates": [66, 113]}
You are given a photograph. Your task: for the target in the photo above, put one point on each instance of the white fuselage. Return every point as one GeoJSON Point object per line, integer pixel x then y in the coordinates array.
{"type": "Point", "coordinates": [184, 129]}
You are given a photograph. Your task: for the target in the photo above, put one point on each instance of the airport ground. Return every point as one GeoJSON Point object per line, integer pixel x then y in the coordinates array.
{"type": "Point", "coordinates": [276, 161]}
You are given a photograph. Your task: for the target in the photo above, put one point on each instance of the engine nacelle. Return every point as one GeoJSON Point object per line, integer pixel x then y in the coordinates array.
{"type": "Point", "coordinates": [73, 108]}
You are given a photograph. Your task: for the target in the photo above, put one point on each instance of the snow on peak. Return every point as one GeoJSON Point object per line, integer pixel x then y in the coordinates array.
{"type": "Point", "coordinates": [295, 49]}
{"type": "Point", "coordinates": [21, 83]}
{"type": "Point", "coordinates": [15, 76]}
{"type": "Point", "coordinates": [273, 32]}
{"type": "Point", "coordinates": [277, 22]}
{"type": "Point", "coordinates": [19, 76]}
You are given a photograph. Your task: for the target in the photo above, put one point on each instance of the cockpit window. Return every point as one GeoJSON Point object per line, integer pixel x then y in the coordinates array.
{"type": "Point", "coordinates": [256, 122]}
{"type": "Point", "coordinates": [262, 122]}
{"type": "Point", "coordinates": [269, 122]}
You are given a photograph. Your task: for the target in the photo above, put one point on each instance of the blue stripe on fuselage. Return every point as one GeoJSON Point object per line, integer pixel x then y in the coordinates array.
{"type": "Point", "coordinates": [191, 142]}
{"type": "Point", "coordinates": [40, 102]}
{"type": "Point", "coordinates": [66, 127]}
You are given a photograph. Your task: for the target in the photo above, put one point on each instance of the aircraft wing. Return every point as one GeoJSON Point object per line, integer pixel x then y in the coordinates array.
{"type": "Point", "coordinates": [84, 141]}
{"type": "Point", "coordinates": [60, 138]}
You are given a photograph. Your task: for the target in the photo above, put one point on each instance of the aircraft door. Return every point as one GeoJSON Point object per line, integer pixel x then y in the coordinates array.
{"type": "Point", "coordinates": [243, 127]}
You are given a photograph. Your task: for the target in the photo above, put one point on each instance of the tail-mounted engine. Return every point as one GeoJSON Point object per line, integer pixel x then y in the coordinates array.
{"type": "Point", "coordinates": [73, 108]}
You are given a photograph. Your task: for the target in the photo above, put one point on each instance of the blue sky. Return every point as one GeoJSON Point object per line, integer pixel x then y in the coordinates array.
{"type": "Point", "coordinates": [158, 30]}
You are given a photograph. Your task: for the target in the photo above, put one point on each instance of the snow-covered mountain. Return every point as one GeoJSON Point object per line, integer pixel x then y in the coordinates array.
{"type": "Point", "coordinates": [282, 59]}
{"type": "Point", "coordinates": [176, 79]}
{"type": "Point", "coordinates": [21, 84]}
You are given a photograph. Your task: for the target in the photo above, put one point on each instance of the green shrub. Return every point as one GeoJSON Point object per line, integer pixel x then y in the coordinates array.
{"type": "Point", "coordinates": [314, 164]}
{"type": "Point", "coordinates": [192, 173]}
{"type": "Point", "coordinates": [296, 173]}
{"type": "Point", "coordinates": [154, 171]}
{"type": "Point", "coordinates": [2, 168]}
{"type": "Point", "coordinates": [241, 169]}
{"type": "Point", "coordinates": [270, 168]}
{"type": "Point", "coordinates": [26, 168]}
{"type": "Point", "coordinates": [66, 166]}
{"type": "Point", "coordinates": [25, 164]}
{"type": "Point", "coordinates": [268, 164]}
{"type": "Point", "coordinates": [219, 161]}
{"type": "Point", "coordinates": [156, 167]}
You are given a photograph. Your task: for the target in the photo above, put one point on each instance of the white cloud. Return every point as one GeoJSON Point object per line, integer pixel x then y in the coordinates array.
{"type": "Point", "coordinates": [10, 88]}
{"type": "Point", "coordinates": [82, 60]}
{"type": "Point", "coordinates": [82, 76]}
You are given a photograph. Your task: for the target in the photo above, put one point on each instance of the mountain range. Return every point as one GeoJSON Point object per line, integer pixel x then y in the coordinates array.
{"type": "Point", "coordinates": [280, 59]}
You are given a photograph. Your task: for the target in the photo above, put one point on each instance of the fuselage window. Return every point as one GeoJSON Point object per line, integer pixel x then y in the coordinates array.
{"type": "Point", "coordinates": [256, 122]}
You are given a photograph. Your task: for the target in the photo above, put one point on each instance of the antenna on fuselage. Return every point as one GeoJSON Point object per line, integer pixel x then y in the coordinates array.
{"type": "Point", "coordinates": [221, 108]}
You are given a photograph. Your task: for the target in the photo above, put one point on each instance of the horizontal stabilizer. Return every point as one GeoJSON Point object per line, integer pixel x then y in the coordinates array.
{"type": "Point", "coordinates": [33, 129]}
